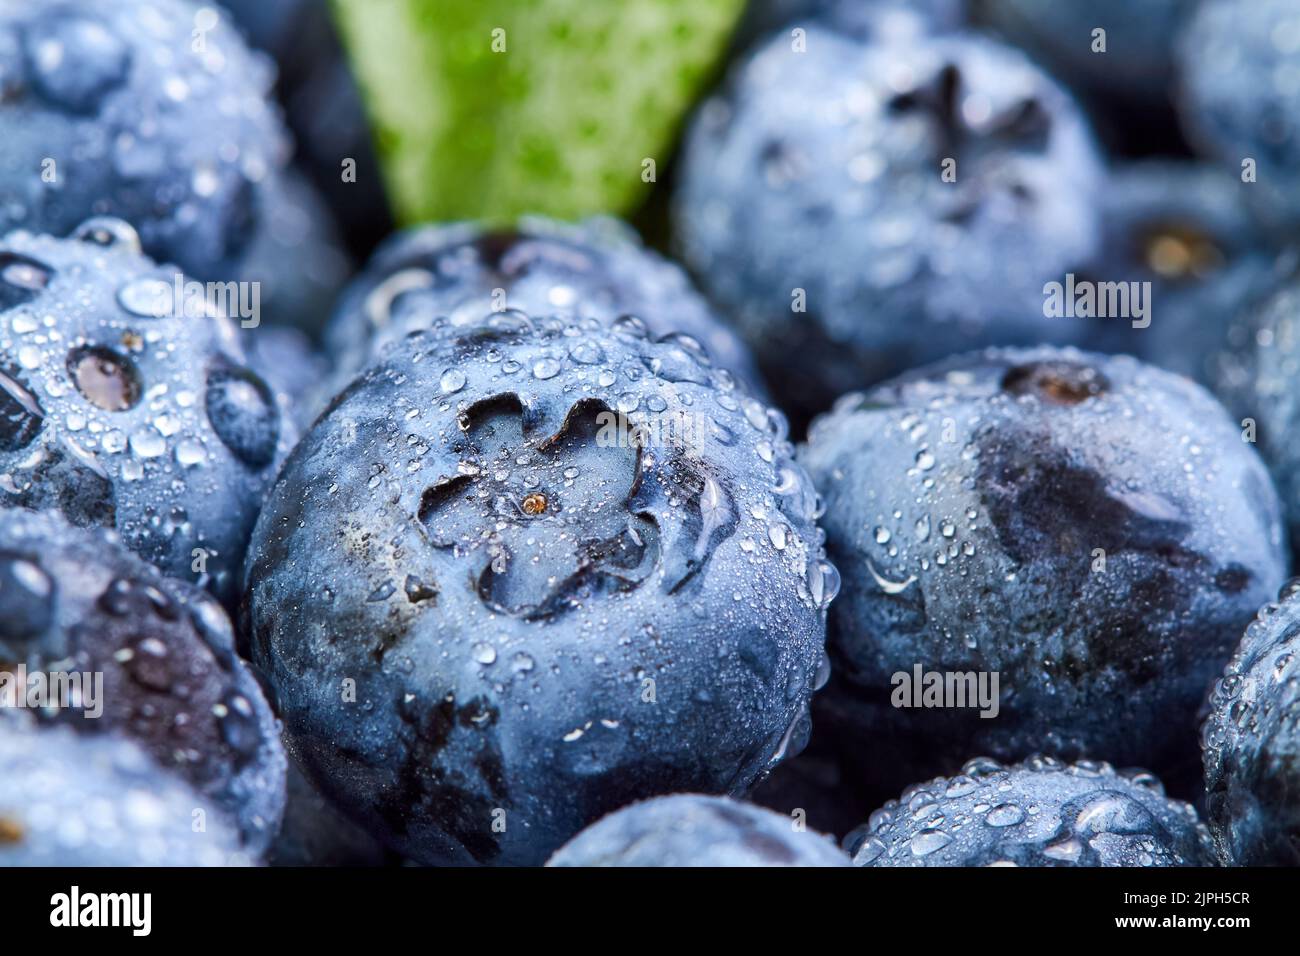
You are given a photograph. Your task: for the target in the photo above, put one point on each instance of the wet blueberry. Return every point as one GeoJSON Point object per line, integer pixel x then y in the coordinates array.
{"type": "Point", "coordinates": [1251, 742]}
{"type": "Point", "coordinates": [74, 600]}
{"type": "Point", "coordinates": [1037, 813]}
{"type": "Point", "coordinates": [120, 406]}
{"type": "Point", "coordinates": [524, 572]}
{"type": "Point", "coordinates": [689, 830]}
{"type": "Point", "coordinates": [1090, 530]}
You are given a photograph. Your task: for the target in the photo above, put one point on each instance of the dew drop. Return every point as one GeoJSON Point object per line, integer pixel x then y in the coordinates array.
{"type": "Point", "coordinates": [546, 368]}
{"type": "Point", "coordinates": [929, 841]}
{"type": "Point", "coordinates": [146, 298]}
{"type": "Point", "coordinates": [1005, 815]}
{"type": "Point", "coordinates": [452, 381]}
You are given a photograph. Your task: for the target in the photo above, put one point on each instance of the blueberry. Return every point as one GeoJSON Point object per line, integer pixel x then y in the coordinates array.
{"type": "Point", "coordinates": [1255, 376]}
{"type": "Point", "coordinates": [596, 268]}
{"type": "Point", "coordinates": [121, 407]}
{"type": "Point", "coordinates": [153, 111]}
{"type": "Point", "coordinates": [69, 799]}
{"type": "Point", "coordinates": [691, 830]}
{"type": "Point", "coordinates": [1138, 57]}
{"type": "Point", "coordinates": [524, 572]}
{"type": "Point", "coordinates": [1238, 98]}
{"type": "Point", "coordinates": [1251, 742]}
{"type": "Point", "coordinates": [1037, 813]}
{"type": "Point", "coordinates": [1090, 529]}
{"type": "Point", "coordinates": [831, 234]}
{"type": "Point", "coordinates": [1188, 229]}
{"type": "Point", "coordinates": [74, 600]}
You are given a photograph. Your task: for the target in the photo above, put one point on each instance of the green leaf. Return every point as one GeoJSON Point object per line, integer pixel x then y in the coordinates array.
{"type": "Point", "coordinates": [492, 108]}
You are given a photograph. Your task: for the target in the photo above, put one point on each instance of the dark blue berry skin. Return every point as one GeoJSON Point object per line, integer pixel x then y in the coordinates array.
{"type": "Point", "coordinates": [1037, 813]}
{"type": "Point", "coordinates": [597, 268]}
{"type": "Point", "coordinates": [1255, 376]}
{"type": "Point", "coordinates": [1188, 229]}
{"type": "Point", "coordinates": [120, 410]}
{"type": "Point", "coordinates": [75, 600]}
{"type": "Point", "coordinates": [1238, 99]}
{"type": "Point", "coordinates": [133, 109]}
{"type": "Point", "coordinates": [842, 210]}
{"type": "Point", "coordinates": [1092, 529]}
{"type": "Point", "coordinates": [316, 833]}
{"type": "Point", "coordinates": [692, 830]}
{"type": "Point", "coordinates": [69, 799]}
{"type": "Point", "coordinates": [542, 622]}
{"type": "Point", "coordinates": [1251, 742]}
{"type": "Point", "coordinates": [1138, 60]}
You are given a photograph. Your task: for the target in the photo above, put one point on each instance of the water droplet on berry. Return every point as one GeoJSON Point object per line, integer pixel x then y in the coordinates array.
{"type": "Point", "coordinates": [105, 378]}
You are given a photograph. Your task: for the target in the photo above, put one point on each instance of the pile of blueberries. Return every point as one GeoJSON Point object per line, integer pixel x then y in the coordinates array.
{"type": "Point", "coordinates": [517, 548]}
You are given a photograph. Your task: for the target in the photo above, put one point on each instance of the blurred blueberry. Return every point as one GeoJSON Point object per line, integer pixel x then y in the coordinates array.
{"type": "Point", "coordinates": [866, 19]}
{"type": "Point", "coordinates": [829, 231]}
{"type": "Point", "coordinates": [296, 257]}
{"type": "Point", "coordinates": [690, 830]}
{"type": "Point", "coordinates": [1256, 376]}
{"type": "Point", "coordinates": [1187, 229]}
{"type": "Point", "coordinates": [290, 364]}
{"type": "Point", "coordinates": [94, 800]}
{"type": "Point", "coordinates": [153, 111]}
{"type": "Point", "coordinates": [1239, 97]}
{"type": "Point", "coordinates": [1137, 61]}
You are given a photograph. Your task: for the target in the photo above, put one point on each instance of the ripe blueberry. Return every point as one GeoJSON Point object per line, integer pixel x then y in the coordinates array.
{"type": "Point", "coordinates": [1037, 813]}
{"type": "Point", "coordinates": [524, 572]}
{"type": "Point", "coordinates": [125, 405]}
{"type": "Point", "coordinates": [1091, 530]}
